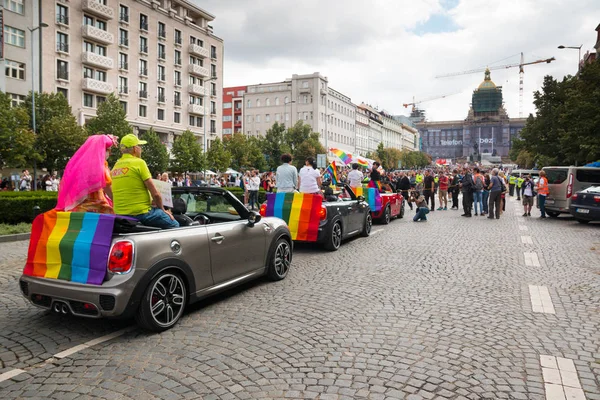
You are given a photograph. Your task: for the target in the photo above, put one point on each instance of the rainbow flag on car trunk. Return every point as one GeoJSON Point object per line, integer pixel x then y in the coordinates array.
{"type": "Point", "coordinates": [299, 210]}
{"type": "Point", "coordinates": [71, 246]}
{"type": "Point", "coordinates": [372, 196]}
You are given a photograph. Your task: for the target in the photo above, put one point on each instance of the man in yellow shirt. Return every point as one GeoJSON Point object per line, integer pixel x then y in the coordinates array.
{"type": "Point", "coordinates": [133, 190]}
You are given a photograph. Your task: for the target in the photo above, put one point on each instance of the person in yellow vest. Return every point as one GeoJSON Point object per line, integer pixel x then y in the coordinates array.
{"type": "Point", "coordinates": [520, 181]}
{"type": "Point", "coordinates": [512, 181]}
{"type": "Point", "coordinates": [543, 191]}
{"type": "Point", "coordinates": [419, 181]}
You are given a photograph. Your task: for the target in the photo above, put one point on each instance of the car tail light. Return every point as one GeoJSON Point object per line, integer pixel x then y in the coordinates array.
{"type": "Point", "coordinates": [574, 196]}
{"type": "Point", "coordinates": [597, 199]}
{"type": "Point", "coordinates": [120, 259]}
{"type": "Point", "coordinates": [323, 213]}
{"type": "Point", "coordinates": [570, 186]}
{"type": "Point", "coordinates": [263, 210]}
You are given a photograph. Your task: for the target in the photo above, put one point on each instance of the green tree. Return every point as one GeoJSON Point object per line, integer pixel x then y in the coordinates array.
{"type": "Point", "coordinates": [296, 135]}
{"type": "Point", "coordinates": [310, 147]}
{"type": "Point", "coordinates": [155, 153]}
{"type": "Point", "coordinates": [16, 139]}
{"type": "Point", "coordinates": [237, 146]}
{"type": "Point", "coordinates": [218, 157]}
{"type": "Point", "coordinates": [256, 158]}
{"type": "Point", "coordinates": [274, 145]}
{"type": "Point", "coordinates": [187, 154]}
{"type": "Point", "coordinates": [525, 159]}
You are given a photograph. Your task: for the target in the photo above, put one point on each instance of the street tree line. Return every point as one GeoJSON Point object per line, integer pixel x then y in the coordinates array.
{"type": "Point", "coordinates": [566, 127]}
{"type": "Point", "coordinates": [391, 158]}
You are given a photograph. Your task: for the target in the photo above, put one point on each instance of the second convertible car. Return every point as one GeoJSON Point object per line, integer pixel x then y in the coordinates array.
{"type": "Point", "coordinates": [153, 274]}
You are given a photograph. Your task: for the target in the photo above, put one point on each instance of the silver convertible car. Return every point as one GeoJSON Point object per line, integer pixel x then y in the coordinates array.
{"type": "Point", "coordinates": [153, 274]}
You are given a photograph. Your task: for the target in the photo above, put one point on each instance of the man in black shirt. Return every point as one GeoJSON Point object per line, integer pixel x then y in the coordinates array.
{"type": "Point", "coordinates": [428, 189]}
{"type": "Point", "coordinates": [466, 186]}
{"type": "Point", "coordinates": [404, 187]}
{"type": "Point", "coordinates": [375, 175]}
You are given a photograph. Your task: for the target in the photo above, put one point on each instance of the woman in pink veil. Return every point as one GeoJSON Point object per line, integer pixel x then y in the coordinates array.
{"type": "Point", "coordinates": [86, 183]}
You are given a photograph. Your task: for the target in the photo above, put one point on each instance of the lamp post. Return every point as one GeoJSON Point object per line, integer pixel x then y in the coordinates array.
{"type": "Point", "coordinates": [214, 78]}
{"type": "Point", "coordinates": [579, 58]}
{"type": "Point", "coordinates": [31, 30]}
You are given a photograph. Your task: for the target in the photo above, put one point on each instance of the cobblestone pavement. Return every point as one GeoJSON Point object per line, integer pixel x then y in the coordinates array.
{"type": "Point", "coordinates": [439, 309]}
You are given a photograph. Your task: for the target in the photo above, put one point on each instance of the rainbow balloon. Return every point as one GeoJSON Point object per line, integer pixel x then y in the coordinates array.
{"type": "Point", "coordinates": [346, 158]}
{"type": "Point", "coordinates": [299, 210]}
{"type": "Point", "coordinates": [72, 246]}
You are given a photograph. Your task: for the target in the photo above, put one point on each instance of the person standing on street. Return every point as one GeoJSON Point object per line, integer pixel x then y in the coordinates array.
{"type": "Point", "coordinates": [466, 186]}
{"type": "Point", "coordinates": [528, 194]}
{"type": "Point", "coordinates": [543, 191]}
{"type": "Point", "coordinates": [520, 181]}
{"type": "Point", "coordinates": [253, 187]}
{"type": "Point", "coordinates": [454, 188]}
{"type": "Point", "coordinates": [286, 176]}
{"type": "Point", "coordinates": [443, 190]}
{"type": "Point", "coordinates": [428, 189]}
{"type": "Point", "coordinates": [495, 189]}
{"type": "Point", "coordinates": [404, 187]}
{"type": "Point", "coordinates": [512, 181]}
{"type": "Point", "coordinates": [479, 183]}
{"type": "Point", "coordinates": [486, 193]}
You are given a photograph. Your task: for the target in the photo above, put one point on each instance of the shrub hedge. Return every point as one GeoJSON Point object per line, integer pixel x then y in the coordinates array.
{"type": "Point", "coordinates": [16, 207]}
{"type": "Point", "coordinates": [239, 193]}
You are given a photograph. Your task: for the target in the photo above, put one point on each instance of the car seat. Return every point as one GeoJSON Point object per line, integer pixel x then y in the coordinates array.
{"type": "Point", "coordinates": [179, 210]}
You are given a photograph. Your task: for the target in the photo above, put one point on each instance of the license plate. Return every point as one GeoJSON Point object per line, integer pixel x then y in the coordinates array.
{"type": "Point", "coordinates": [582, 210]}
{"type": "Point", "coordinates": [549, 201]}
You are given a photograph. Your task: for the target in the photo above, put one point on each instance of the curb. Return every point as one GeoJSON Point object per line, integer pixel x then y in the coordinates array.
{"type": "Point", "coordinates": [14, 238]}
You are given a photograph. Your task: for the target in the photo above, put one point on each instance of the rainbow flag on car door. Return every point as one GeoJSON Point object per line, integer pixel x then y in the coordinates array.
{"type": "Point", "coordinates": [299, 210]}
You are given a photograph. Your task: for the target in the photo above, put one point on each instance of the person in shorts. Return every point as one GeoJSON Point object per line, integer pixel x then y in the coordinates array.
{"type": "Point", "coordinates": [528, 195]}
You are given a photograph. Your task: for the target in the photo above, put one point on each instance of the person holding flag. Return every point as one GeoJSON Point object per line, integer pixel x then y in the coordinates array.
{"type": "Point", "coordinates": [375, 176]}
{"type": "Point", "coordinates": [332, 172]}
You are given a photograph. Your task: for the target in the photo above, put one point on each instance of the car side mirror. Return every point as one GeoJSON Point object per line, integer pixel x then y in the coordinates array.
{"type": "Point", "coordinates": [253, 218]}
{"type": "Point", "coordinates": [360, 198]}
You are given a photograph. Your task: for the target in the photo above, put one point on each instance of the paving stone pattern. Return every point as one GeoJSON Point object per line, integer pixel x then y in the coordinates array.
{"type": "Point", "coordinates": [431, 310]}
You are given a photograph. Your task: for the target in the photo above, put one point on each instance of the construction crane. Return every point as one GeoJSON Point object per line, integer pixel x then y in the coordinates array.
{"type": "Point", "coordinates": [414, 103]}
{"type": "Point", "coordinates": [521, 74]}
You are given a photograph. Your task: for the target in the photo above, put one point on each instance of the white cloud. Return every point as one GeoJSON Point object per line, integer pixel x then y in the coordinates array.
{"type": "Point", "coordinates": [370, 52]}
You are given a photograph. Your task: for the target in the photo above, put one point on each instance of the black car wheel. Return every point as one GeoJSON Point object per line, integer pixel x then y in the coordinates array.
{"type": "Point", "coordinates": [387, 216]}
{"type": "Point", "coordinates": [583, 221]}
{"type": "Point", "coordinates": [280, 261]}
{"type": "Point", "coordinates": [367, 227]}
{"type": "Point", "coordinates": [553, 214]}
{"type": "Point", "coordinates": [334, 241]}
{"type": "Point", "coordinates": [163, 302]}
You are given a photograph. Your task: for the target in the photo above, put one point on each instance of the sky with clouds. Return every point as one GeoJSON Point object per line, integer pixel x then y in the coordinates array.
{"type": "Point", "coordinates": [384, 52]}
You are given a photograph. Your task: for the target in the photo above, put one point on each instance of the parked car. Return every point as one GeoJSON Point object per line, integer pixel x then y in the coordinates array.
{"type": "Point", "coordinates": [154, 274]}
{"type": "Point", "coordinates": [585, 205]}
{"type": "Point", "coordinates": [392, 206]}
{"type": "Point", "coordinates": [563, 182]}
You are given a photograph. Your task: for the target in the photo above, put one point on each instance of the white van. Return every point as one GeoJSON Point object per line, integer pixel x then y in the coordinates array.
{"type": "Point", "coordinates": [563, 182]}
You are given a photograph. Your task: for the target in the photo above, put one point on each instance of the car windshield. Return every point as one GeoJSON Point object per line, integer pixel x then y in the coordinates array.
{"type": "Point", "coordinates": [213, 204]}
{"type": "Point", "coordinates": [556, 175]}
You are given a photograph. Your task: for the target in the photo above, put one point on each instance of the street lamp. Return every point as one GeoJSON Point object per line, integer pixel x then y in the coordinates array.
{"type": "Point", "coordinates": [214, 78]}
{"type": "Point", "coordinates": [574, 47]}
{"type": "Point", "coordinates": [31, 30]}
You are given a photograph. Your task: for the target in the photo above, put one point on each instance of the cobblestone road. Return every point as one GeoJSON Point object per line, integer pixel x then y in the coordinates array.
{"type": "Point", "coordinates": [442, 309]}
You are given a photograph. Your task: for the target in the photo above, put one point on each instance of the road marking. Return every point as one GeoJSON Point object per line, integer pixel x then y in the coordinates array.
{"type": "Point", "coordinates": [560, 379]}
{"type": "Point", "coordinates": [10, 374]}
{"type": "Point", "coordinates": [531, 259]}
{"type": "Point", "coordinates": [541, 302]}
{"type": "Point", "coordinates": [523, 227]}
{"type": "Point", "coordinates": [93, 342]}
{"type": "Point", "coordinates": [526, 240]}
{"type": "Point", "coordinates": [376, 232]}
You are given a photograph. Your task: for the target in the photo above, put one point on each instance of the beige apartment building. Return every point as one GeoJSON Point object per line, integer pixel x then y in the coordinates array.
{"type": "Point", "coordinates": [160, 57]}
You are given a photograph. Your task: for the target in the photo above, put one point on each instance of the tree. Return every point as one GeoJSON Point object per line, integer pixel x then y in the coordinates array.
{"type": "Point", "coordinates": [296, 135]}
{"type": "Point", "coordinates": [274, 145]}
{"type": "Point", "coordinates": [525, 159]}
{"type": "Point", "coordinates": [256, 158]}
{"type": "Point", "coordinates": [155, 152]}
{"type": "Point", "coordinates": [218, 157]}
{"type": "Point", "coordinates": [16, 139]}
{"type": "Point", "coordinates": [187, 154]}
{"type": "Point", "coordinates": [237, 146]}
{"type": "Point", "coordinates": [310, 147]}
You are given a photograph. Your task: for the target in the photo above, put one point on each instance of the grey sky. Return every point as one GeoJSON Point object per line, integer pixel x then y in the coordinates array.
{"type": "Point", "coordinates": [384, 52]}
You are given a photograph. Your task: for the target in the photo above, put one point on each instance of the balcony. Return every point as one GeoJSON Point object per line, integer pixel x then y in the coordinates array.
{"type": "Point", "coordinates": [62, 19]}
{"type": "Point", "coordinates": [124, 66]}
{"type": "Point", "coordinates": [177, 102]}
{"type": "Point", "coordinates": [161, 98]}
{"type": "Point", "coordinates": [62, 47]}
{"type": "Point", "coordinates": [144, 26]}
{"type": "Point", "coordinates": [178, 62]}
{"type": "Point", "coordinates": [123, 90]}
{"type": "Point", "coordinates": [304, 90]}
{"type": "Point", "coordinates": [62, 74]}
{"type": "Point", "coordinates": [162, 34]}
{"type": "Point", "coordinates": [162, 56]}
{"type": "Point", "coordinates": [97, 34]}
{"type": "Point", "coordinates": [198, 70]}
{"type": "Point", "coordinates": [237, 122]}
{"type": "Point", "coordinates": [124, 42]}
{"type": "Point", "coordinates": [96, 60]}
{"type": "Point", "coordinates": [100, 10]}
{"type": "Point", "coordinates": [144, 72]}
{"type": "Point", "coordinates": [143, 49]}
{"type": "Point", "coordinates": [196, 89]}
{"type": "Point", "coordinates": [143, 94]}
{"type": "Point", "coordinates": [124, 17]}
{"type": "Point", "coordinates": [178, 40]}
{"type": "Point", "coordinates": [198, 50]}
{"type": "Point", "coordinates": [177, 82]}
{"type": "Point", "coordinates": [95, 86]}
{"type": "Point", "coordinates": [161, 77]}
{"type": "Point", "coordinates": [195, 109]}
{"type": "Point", "coordinates": [237, 110]}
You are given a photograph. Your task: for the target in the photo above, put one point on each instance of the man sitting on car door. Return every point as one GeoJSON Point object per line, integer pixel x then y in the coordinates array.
{"type": "Point", "coordinates": [133, 190]}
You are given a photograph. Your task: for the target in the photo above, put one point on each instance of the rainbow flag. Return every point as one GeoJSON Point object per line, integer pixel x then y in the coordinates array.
{"type": "Point", "coordinates": [346, 158]}
{"type": "Point", "coordinates": [374, 199]}
{"type": "Point", "coordinates": [358, 191]}
{"type": "Point", "coordinates": [374, 184]}
{"type": "Point", "coordinates": [299, 210]}
{"type": "Point", "coordinates": [362, 162]}
{"type": "Point", "coordinates": [333, 172]}
{"type": "Point", "coordinates": [71, 246]}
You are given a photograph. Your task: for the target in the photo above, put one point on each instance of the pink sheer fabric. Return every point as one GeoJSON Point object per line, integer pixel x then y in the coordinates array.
{"type": "Point", "coordinates": [85, 172]}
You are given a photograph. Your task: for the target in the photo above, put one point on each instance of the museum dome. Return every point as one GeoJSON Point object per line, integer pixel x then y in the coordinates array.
{"type": "Point", "coordinates": [487, 81]}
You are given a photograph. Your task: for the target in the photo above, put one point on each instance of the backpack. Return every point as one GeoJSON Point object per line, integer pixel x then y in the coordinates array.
{"type": "Point", "coordinates": [478, 183]}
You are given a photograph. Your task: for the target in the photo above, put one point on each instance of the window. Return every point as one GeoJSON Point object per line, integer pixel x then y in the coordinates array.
{"type": "Point", "coordinates": [177, 57]}
{"type": "Point", "coordinates": [160, 114]}
{"type": "Point", "coordinates": [196, 41]}
{"type": "Point", "coordinates": [123, 13]}
{"type": "Point", "coordinates": [213, 126]}
{"type": "Point", "coordinates": [14, 69]}
{"type": "Point", "coordinates": [123, 61]}
{"type": "Point", "coordinates": [142, 110]}
{"type": "Point", "coordinates": [92, 21]}
{"type": "Point", "coordinates": [276, 101]}
{"type": "Point", "coordinates": [196, 100]}
{"type": "Point", "coordinates": [304, 84]}
{"type": "Point", "coordinates": [178, 39]}
{"type": "Point", "coordinates": [143, 90]}
{"type": "Point", "coordinates": [123, 85]}
{"type": "Point", "coordinates": [14, 36]}
{"type": "Point", "coordinates": [227, 131]}
{"type": "Point", "coordinates": [161, 94]}
{"type": "Point", "coordinates": [287, 116]}
{"type": "Point", "coordinates": [124, 105]}
{"type": "Point", "coordinates": [161, 73]}
{"type": "Point", "coordinates": [144, 67]}
{"type": "Point", "coordinates": [258, 118]}
{"type": "Point", "coordinates": [213, 52]}
{"type": "Point", "coordinates": [226, 118]}
{"type": "Point", "coordinates": [196, 61]}
{"type": "Point", "coordinates": [213, 89]}
{"type": "Point", "coordinates": [213, 107]}
{"type": "Point", "coordinates": [143, 22]}
{"type": "Point", "coordinates": [162, 30]}
{"type": "Point", "coordinates": [100, 75]}
{"type": "Point", "coordinates": [62, 14]}
{"type": "Point", "coordinates": [100, 50]}
{"type": "Point", "coordinates": [226, 105]}
{"type": "Point", "coordinates": [17, 99]}
{"type": "Point", "coordinates": [267, 102]}
{"type": "Point", "coordinates": [257, 103]}
{"type": "Point", "coordinates": [177, 98]}
{"type": "Point", "coordinates": [88, 100]}
{"type": "Point", "coordinates": [177, 117]}
{"type": "Point", "coordinates": [162, 53]}
{"type": "Point", "coordinates": [123, 38]}
{"type": "Point", "coordinates": [143, 44]}
{"type": "Point", "coordinates": [63, 91]}
{"type": "Point", "coordinates": [14, 6]}
{"type": "Point", "coordinates": [177, 78]}
{"type": "Point", "coordinates": [277, 117]}
{"type": "Point", "coordinates": [286, 100]}
{"type": "Point", "coordinates": [268, 118]}
{"type": "Point", "coordinates": [249, 103]}
{"type": "Point", "coordinates": [213, 70]}
{"type": "Point", "coordinates": [100, 100]}
{"type": "Point", "coordinates": [62, 70]}
{"type": "Point", "coordinates": [62, 42]}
